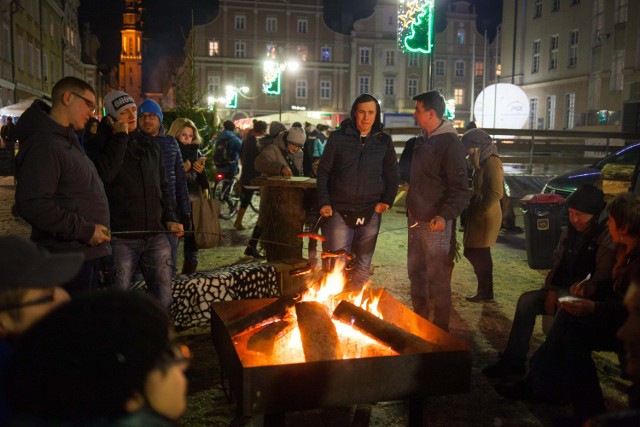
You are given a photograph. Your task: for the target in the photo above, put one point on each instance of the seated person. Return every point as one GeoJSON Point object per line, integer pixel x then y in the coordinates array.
{"type": "Point", "coordinates": [30, 288]}
{"type": "Point", "coordinates": [585, 248]}
{"type": "Point", "coordinates": [562, 370]}
{"type": "Point", "coordinates": [108, 358]}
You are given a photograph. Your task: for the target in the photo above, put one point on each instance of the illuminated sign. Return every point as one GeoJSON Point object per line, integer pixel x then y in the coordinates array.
{"type": "Point", "coordinates": [415, 25]}
{"type": "Point", "coordinates": [272, 86]}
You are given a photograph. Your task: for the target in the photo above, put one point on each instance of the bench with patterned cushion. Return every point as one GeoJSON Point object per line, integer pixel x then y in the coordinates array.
{"type": "Point", "coordinates": [193, 294]}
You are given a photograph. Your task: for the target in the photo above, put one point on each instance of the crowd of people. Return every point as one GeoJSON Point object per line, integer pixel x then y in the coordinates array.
{"type": "Point", "coordinates": [123, 187]}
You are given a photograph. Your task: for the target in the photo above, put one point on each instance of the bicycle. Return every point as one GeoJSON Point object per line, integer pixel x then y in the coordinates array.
{"type": "Point", "coordinates": [225, 190]}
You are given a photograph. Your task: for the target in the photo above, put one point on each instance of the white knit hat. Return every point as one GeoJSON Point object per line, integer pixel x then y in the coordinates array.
{"type": "Point", "coordinates": [116, 101]}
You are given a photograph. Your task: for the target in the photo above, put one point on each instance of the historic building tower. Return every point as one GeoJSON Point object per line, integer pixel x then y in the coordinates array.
{"type": "Point", "coordinates": [131, 52]}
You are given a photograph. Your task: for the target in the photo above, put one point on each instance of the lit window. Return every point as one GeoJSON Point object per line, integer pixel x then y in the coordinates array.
{"type": "Point", "coordinates": [460, 37]}
{"type": "Point", "coordinates": [325, 54]}
{"type": "Point", "coordinates": [302, 51]}
{"type": "Point", "coordinates": [213, 48]}
{"type": "Point", "coordinates": [479, 71]}
{"type": "Point", "coordinates": [458, 96]}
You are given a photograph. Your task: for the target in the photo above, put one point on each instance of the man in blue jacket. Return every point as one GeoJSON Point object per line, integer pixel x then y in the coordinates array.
{"type": "Point", "coordinates": [357, 181]}
{"type": "Point", "coordinates": [438, 192]}
{"type": "Point", "coordinates": [150, 123]}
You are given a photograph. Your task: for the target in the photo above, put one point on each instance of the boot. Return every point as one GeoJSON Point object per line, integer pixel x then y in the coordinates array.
{"type": "Point", "coordinates": [252, 247]}
{"type": "Point", "coordinates": [189, 267]}
{"type": "Point", "coordinates": [238, 223]}
{"type": "Point", "coordinates": [485, 292]}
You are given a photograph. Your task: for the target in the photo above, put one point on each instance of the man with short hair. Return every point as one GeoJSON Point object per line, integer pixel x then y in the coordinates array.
{"type": "Point", "coordinates": [227, 148]}
{"type": "Point", "coordinates": [29, 290]}
{"type": "Point", "coordinates": [438, 192]}
{"type": "Point", "coordinates": [150, 123]}
{"type": "Point", "coordinates": [59, 191]}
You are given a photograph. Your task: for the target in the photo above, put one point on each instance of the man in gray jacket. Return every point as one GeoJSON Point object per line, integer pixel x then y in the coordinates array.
{"type": "Point", "coordinates": [438, 192]}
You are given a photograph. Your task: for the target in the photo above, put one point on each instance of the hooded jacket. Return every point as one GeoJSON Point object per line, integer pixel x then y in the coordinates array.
{"type": "Point", "coordinates": [353, 176]}
{"type": "Point", "coordinates": [272, 158]}
{"type": "Point", "coordinates": [59, 191]}
{"type": "Point", "coordinates": [439, 185]}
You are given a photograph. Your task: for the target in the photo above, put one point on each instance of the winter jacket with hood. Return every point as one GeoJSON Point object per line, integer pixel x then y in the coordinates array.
{"type": "Point", "coordinates": [59, 191]}
{"type": "Point", "coordinates": [175, 175]}
{"type": "Point", "coordinates": [439, 185]}
{"type": "Point", "coordinates": [234, 146]}
{"type": "Point", "coordinates": [354, 176]}
{"type": "Point", "coordinates": [272, 158]}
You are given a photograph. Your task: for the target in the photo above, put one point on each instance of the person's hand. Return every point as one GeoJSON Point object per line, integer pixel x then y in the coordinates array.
{"type": "Point", "coordinates": [119, 126]}
{"type": "Point", "coordinates": [437, 223]}
{"type": "Point", "coordinates": [187, 165]}
{"type": "Point", "coordinates": [176, 228]}
{"type": "Point", "coordinates": [582, 289]}
{"type": "Point", "coordinates": [381, 207]}
{"type": "Point", "coordinates": [285, 171]}
{"type": "Point", "coordinates": [199, 165]}
{"type": "Point", "coordinates": [551, 302]}
{"type": "Point", "coordinates": [581, 307]}
{"type": "Point", "coordinates": [101, 235]}
{"type": "Point", "coordinates": [326, 211]}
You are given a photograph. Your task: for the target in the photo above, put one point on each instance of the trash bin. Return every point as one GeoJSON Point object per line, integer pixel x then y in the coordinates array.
{"type": "Point", "coordinates": [542, 214]}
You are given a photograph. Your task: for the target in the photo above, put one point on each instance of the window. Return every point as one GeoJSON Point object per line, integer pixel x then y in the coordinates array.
{"type": "Point", "coordinates": [20, 53]}
{"type": "Point", "coordinates": [439, 67]}
{"type": "Point", "coordinates": [573, 48]}
{"type": "Point", "coordinates": [389, 57]}
{"type": "Point", "coordinates": [551, 112]}
{"type": "Point", "coordinates": [214, 49]}
{"type": "Point", "coordinates": [598, 22]}
{"type": "Point", "coordinates": [569, 110]}
{"type": "Point", "coordinates": [365, 56]}
{"type": "Point", "coordinates": [325, 89]}
{"type": "Point", "coordinates": [325, 54]}
{"type": "Point", "coordinates": [239, 79]}
{"type": "Point", "coordinates": [363, 84]}
{"type": "Point", "coordinates": [537, 9]}
{"type": "Point", "coordinates": [458, 96]}
{"type": "Point", "coordinates": [213, 83]}
{"type": "Point", "coordinates": [479, 71]}
{"type": "Point", "coordinates": [38, 70]}
{"type": "Point", "coordinates": [303, 26]}
{"type": "Point", "coordinates": [533, 113]}
{"type": "Point", "coordinates": [412, 87]}
{"type": "Point", "coordinates": [302, 52]}
{"type": "Point", "coordinates": [240, 22]}
{"type": "Point", "coordinates": [389, 86]}
{"type": "Point", "coordinates": [553, 51]}
{"type": "Point", "coordinates": [620, 11]}
{"type": "Point", "coordinates": [301, 88]}
{"type": "Point", "coordinates": [459, 68]}
{"type": "Point", "coordinates": [616, 70]}
{"type": "Point", "coordinates": [45, 67]}
{"type": "Point", "coordinates": [6, 36]}
{"type": "Point", "coordinates": [272, 24]}
{"type": "Point", "coordinates": [555, 5]}
{"type": "Point", "coordinates": [413, 60]}
{"type": "Point", "coordinates": [460, 37]}
{"type": "Point", "coordinates": [535, 60]}
{"type": "Point", "coordinates": [240, 50]}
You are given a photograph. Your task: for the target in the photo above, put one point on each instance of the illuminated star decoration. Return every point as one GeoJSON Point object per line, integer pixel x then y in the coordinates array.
{"type": "Point", "coordinates": [415, 25]}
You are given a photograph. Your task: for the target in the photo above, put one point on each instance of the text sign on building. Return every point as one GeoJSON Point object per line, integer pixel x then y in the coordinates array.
{"type": "Point", "coordinates": [415, 25]}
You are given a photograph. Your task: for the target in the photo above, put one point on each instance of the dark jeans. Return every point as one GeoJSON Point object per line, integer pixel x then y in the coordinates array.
{"type": "Point", "coordinates": [530, 304]}
{"type": "Point", "coordinates": [86, 280]}
{"type": "Point", "coordinates": [190, 248]}
{"type": "Point", "coordinates": [247, 194]}
{"type": "Point", "coordinates": [429, 270]}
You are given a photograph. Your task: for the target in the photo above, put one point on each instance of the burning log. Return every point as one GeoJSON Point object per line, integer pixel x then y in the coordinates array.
{"type": "Point", "coordinates": [397, 338]}
{"type": "Point", "coordinates": [276, 309]}
{"type": "Point", "coordinates": [264, 340]}
{"type": "Point", "coordinates": [317, 332]}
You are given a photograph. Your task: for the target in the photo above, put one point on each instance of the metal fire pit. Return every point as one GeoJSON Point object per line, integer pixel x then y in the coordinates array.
{"type": "Point", "coordinates": [276, 389]}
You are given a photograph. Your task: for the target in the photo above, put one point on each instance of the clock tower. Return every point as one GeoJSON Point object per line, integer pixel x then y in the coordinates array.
{"type": "Point", "coordinates": [131, 50]}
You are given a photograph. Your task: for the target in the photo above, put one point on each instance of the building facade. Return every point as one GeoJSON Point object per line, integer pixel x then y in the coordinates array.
{"type": "Point", "coordinates": [130, 69]}
{"type": "Point", "coordinates": [577, 60]}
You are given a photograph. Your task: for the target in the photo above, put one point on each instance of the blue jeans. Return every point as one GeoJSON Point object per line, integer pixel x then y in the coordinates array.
{"type": "Point", "coordinates": [153, 254]}
{"type": "Point", "coordinates": [429, 270]}
{"type": "Point", "coordinates": [361, 241]}
{"type": "Point", "coordinates": [173, 242]}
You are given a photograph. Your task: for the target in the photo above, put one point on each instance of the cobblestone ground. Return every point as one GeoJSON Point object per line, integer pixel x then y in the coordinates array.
{"type": "Point", "coordinates": [484, 326]}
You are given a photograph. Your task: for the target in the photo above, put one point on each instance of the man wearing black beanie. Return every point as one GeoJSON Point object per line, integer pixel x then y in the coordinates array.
{"type": "Point", "coordinates": [585, 256]}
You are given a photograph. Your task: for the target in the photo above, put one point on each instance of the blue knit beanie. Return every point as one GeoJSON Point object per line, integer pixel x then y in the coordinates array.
{"type": "Point", "coordinates": [150, 106]}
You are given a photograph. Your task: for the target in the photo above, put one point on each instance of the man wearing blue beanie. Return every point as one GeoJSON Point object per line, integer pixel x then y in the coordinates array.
{"type": "Point", "coordinates": [150, 124]}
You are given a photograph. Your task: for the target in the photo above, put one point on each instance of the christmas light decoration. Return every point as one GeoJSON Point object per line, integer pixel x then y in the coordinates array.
{"type": "Point", "coordinates": [415, 25]}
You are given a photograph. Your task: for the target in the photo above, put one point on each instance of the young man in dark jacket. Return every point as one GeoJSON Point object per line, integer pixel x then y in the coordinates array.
{"type": "Point", "coordinates": [59, 191]}
{"type": "Point", "coordinates": [357, 181]}
{"type": "Point", "coordinates": [131, 167]}
{"type": "Point", "coordinates": [438, 192]}
{"type": "Point", "coordinates": [150, 124]}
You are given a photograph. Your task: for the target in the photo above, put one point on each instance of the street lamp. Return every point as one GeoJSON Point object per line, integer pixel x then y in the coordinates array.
{"type": "Point", "coordinates": [274, 67]}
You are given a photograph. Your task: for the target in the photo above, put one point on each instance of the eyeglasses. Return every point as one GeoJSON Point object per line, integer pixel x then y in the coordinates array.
{"type": "Point", "coordinates": [38, 301]}
{"type": "Point", "coordinates": [93, 108]}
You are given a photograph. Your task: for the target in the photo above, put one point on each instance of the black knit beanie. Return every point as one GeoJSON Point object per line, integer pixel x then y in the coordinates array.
{"type": "Point", "coordinates": [88, 357]}
{"type": "Point", "coordinates": [587, 199]}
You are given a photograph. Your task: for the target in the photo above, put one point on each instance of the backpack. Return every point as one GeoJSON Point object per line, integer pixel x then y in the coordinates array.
{"type": "Point", "coordinates": [221, 153]}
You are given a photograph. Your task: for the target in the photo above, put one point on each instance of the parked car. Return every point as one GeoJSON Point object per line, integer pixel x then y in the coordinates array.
{"type": "Point", "coordinates": [566, 184]}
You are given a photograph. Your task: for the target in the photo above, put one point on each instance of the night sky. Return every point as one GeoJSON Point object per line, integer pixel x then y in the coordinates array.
{"type": "Point", "coordinates": [166, 25]}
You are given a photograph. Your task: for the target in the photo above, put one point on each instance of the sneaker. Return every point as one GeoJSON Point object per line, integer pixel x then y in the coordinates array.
{"type": "Point", "coordinates": [504, 369]}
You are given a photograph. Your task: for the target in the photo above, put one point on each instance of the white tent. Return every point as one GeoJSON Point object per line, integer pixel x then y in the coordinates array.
{"type": "Point", "coordinates": [289, 117]}
{"type": "Point", "coordinates": [18, 108]}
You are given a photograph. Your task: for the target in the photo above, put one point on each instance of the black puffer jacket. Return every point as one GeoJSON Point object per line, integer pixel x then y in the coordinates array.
{"type": "Point", "coordinates": [59, 191]}
{"type": "Point", "coordinates": [353, 176]}
{"type": "Point", "coordinates": [133, 174]}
